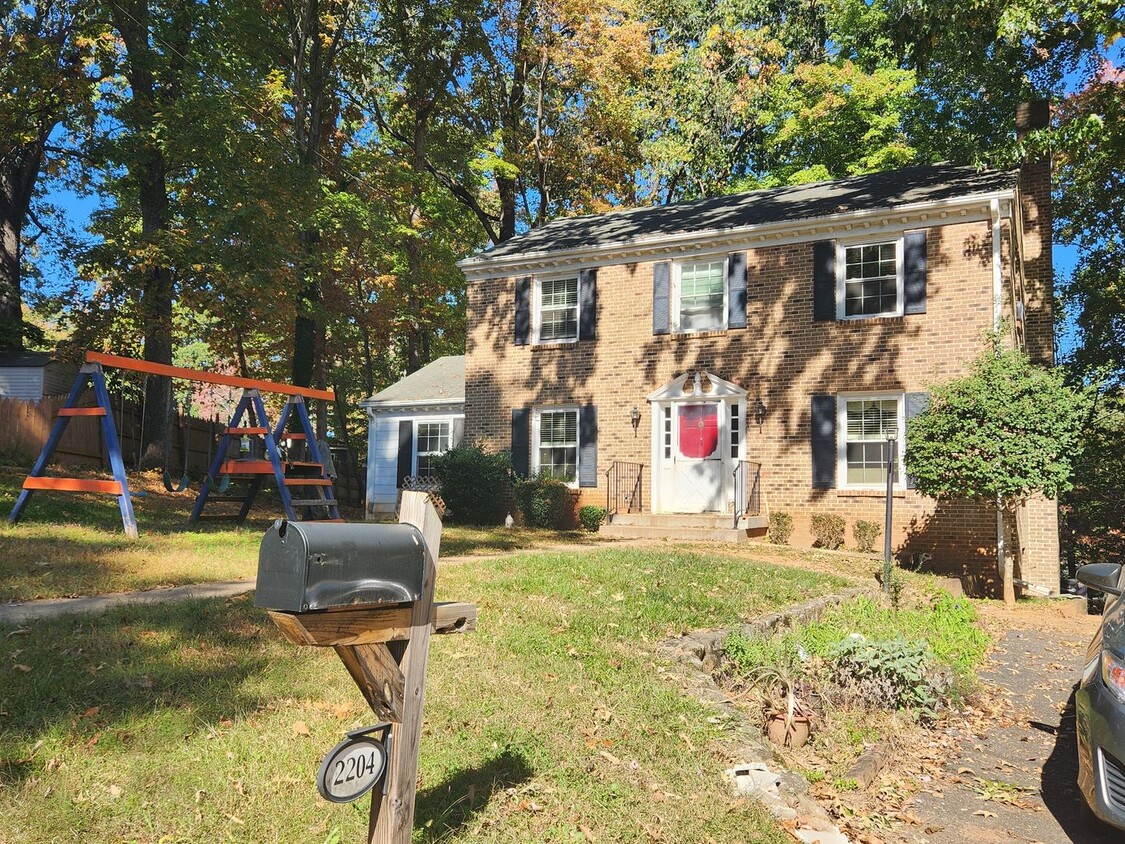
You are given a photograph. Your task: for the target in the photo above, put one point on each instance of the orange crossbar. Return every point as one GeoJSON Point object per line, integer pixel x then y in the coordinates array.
{"type": "Point", "coordinates": [151, 368]}
{"type": "Point", "coordinates": [81, 411]}
{"type": "Point", "coordinates": [238, 432]}
{"type": "Point", "coordinates": [73, 485]}
{"type": "Point", "coordinates": [308, 482]}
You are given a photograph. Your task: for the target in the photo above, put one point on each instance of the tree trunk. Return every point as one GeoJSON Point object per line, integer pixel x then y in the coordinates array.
{"type": "Point", "coordinates": [1011, 552]}
{"type": "Point", "coordinates": [149, 172]}
{"type": "Point", "coordinates": [17, 184]}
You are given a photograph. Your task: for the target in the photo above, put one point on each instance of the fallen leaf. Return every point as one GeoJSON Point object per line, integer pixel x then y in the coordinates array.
{"type": "Point", "coordinates": [984, 813]}
{"type": "Point", "coordinates": [91, 712]}
{"type": "Point", "coordinates": [586, 833]}
{"type": "Point", "coordinates": [300, 728]}
{"type": "Point", "coordinates": [19, 666]}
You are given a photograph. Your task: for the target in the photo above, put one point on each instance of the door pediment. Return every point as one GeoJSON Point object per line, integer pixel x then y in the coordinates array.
{"type": "Point", "coordinates": [692, 386]}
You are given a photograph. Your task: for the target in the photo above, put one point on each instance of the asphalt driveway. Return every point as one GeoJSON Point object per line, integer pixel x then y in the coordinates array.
{"type": "Point", "coordinates": [1015, 778]}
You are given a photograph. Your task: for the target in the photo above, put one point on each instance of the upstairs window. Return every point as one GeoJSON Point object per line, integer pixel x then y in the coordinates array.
{"type": "Point", "coordinates": [556, 309]}
{"type": "Point", "coordinates": [869, 281]}
{"type": "Point", "coordinates": [701, 296]}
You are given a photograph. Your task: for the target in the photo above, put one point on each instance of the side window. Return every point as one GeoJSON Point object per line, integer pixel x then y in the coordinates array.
{"type": "Point", "coordinates": [700, 297]}
{"type": "Point", "coordinates": [865, 424]}
{"type": "Point", "coordinates": [431, 440]}
{"type": "Point", "coordinates": [556, 309]}
{"type": "Point", "coordinates": [869, 280]}
{"type": "Point", "coordinates": [555, 450]}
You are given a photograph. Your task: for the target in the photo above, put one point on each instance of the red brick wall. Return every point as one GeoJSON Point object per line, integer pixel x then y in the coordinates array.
{"type": "Point", "coordinates": [782, 357]}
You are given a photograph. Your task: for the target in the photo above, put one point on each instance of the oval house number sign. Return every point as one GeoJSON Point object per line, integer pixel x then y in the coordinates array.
{"type": "Point", "coordinates": [353, 766]}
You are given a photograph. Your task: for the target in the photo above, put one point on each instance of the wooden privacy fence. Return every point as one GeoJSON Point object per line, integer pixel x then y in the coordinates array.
{"type": "Point", "coordinates": [25, 425]}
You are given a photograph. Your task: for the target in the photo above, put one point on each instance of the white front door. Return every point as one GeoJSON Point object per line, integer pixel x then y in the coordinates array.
{"type": "Point", "coordinates": [697, 457]}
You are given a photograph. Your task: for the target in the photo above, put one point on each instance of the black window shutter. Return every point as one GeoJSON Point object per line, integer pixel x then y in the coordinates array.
{"type": "Point", "coordinates": [823, 441]}
{"type": "Point", "coordinates": [661, 286]}
{"type": "Point", "coordinates": [457, 433]}
{"type": "Point", "coordinates": [405, 450]}
{"type": "Point", "coordinates": [523, 310]}
{"type": "Point", "coordinates": [914, 272]}
{"type": "Point", "coordinates": [588, 305]}
{"type": "Point", "coordinates": [521, 441]}
{"type": "Point", "coordinates": [824, 280]}
{"type": "Point", "coordinates": [588, 446]}
{"type": "Point", "coordinates": [916, 403]}
{"type": "Point", "coordinates": [736, 290]}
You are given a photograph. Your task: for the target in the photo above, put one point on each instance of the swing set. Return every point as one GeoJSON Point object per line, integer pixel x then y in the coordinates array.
{"type": "Point", "coordinates": [249, 423]}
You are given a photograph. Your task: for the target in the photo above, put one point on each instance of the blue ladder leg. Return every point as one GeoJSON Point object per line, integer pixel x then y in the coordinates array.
{"type": "Point", "coordinates": [329, 491]}
{"type": "Point", "coordinates": [53, 439]}
{"type": "Point", "coordinates": [116, 461]}
{"type": "Point", "coordinates": [217, 462]}
{"type": "Point", "coordinates": [275, 458]}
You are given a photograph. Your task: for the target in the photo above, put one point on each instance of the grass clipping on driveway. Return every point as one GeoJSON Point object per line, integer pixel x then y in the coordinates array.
{"type": "Point", "coordinates": [551, 722]}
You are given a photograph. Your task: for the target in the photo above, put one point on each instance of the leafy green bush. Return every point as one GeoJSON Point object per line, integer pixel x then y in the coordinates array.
{"type": "Point", "coordinates": [544, 502]}
{"type": "Point", "coordinates": [828, 530]}
{"type": "Point", "coordinates": [893, 674]}
{"type": "Point", "coordinates": [476, 484]}
{"type": "Point", "coordinates": [591, 517]}
{"type": "Point", "coordinates": [781, 527]}
{"type": "Point", "coordinates": [865, 534]}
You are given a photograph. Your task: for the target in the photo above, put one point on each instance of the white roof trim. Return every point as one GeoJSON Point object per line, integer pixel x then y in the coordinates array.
{"type": "Point", "coordinates": [682, 388]}
{"type": "Point", "coordinates": [386, 404]}
{"type": "Point", "coordinates": [963, 209]}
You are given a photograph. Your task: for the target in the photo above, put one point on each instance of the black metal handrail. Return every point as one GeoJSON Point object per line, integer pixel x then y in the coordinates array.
{"type": "Point", "coordinates": [747, 490]}
{"type": "Point", "coordinates": [624, 488]}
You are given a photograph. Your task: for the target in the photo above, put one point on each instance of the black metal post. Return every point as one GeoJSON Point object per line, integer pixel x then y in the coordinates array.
{"type": "Point", "coordinates": [892, 463]}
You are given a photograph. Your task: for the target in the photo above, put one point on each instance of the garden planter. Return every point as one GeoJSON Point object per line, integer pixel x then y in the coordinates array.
{"type": "Point", "coordinates": [786, 732]}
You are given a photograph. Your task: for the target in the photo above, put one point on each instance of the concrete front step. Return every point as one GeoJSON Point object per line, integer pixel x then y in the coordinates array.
{"type": "Point", "coordinates": [680, 534]}
{"type": "Point", "coordinates": [675, 520]}
{"type": "Point", "coordinates": [676, 527]}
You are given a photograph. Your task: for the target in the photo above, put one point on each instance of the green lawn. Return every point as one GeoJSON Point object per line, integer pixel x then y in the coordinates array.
{"type": "Point", "coordinates": [551, 722]}
{"type": "Point", "coordinates": [72, 544]}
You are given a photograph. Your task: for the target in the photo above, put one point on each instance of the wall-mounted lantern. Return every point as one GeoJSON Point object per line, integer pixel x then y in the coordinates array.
{"type": "Point", "coordinates": [635, 418]}
{"type": "Point", "coordinates": [759, 413]}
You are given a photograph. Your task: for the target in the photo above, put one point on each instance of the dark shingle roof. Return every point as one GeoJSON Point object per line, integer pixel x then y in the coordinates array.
{"type": "Point", "coordinates": [439, 380]}
{"type": "Point", "coordinates": [24, 359]}
{"type": "Point", "coordinates": [889, 189]}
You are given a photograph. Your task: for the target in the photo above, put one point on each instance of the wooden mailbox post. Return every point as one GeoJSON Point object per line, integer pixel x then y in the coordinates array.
{"type": "Point", "coordinates": [385, 649]}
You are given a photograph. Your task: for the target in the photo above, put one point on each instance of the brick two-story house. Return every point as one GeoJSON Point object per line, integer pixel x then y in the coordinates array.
{"type": "Point", "coordinates": [751, 353]}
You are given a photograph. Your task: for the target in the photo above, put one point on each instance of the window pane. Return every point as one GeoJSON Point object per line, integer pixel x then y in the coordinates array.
{"type": "Point", "coordinates": [868, 422]}
{"type": "Point", "coordinates": [558, 309]}
{"type": "Point", "coordinates": [870, 279]}
{"type": "Point", "coordinates": [558, 444]}
{"type": "Point", "coordinates": [701, 296]}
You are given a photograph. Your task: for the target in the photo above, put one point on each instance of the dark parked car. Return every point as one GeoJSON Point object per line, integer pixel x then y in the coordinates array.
{"type": "Point", "coordinates": [1100, 701]}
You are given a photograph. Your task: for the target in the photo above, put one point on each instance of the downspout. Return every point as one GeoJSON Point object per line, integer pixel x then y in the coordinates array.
{"type": "Point", "coordinates": [997, 316]}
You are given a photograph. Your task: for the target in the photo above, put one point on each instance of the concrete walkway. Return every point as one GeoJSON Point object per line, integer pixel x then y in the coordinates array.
{"type": "Point", "coordinates": [21, 613]}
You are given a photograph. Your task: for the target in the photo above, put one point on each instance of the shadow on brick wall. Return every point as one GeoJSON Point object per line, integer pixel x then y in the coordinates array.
{"type": "Point", "coordinates": [957, 539]}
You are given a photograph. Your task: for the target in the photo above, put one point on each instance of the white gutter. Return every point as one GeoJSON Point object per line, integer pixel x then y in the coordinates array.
{"type": "Point", "coordinates": [997, 275]}
{"type": "Point", "coordinates": [484, 266]}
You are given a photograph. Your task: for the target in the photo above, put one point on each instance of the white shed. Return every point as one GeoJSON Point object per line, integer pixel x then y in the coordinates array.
{"type": "Point", "coordinates": [410, 422]}
{"type": "Point", "coordinates": [29, 376]}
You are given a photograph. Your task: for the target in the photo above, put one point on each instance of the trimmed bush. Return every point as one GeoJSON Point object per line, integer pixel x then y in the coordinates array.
{"type": "Point", "coordinates": [544, 502]}
{"type": "Point", "coordinates": [591, 517]}
{"type": "Point", "coordinates": [476, 484]}
{"type": "Point", "coordinates": [828, 531]}
{"type": "Point", "coordinates": [781, 528]}
{"type": "Point", "coordinates": [866, 534]}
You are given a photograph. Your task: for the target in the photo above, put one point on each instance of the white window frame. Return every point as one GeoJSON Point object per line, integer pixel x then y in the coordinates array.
{"type": "Point", "coordinates": [435, 420]}
{"type": "Point", "coordinates": [536, 414]}
{"type": "Point", "coordinates": [842, 247]}
{"type": "Point", "coordinates": [674, 293]}
{"type": "Point", "coordinates": [537, 307]}
{"type": "Point", "coordinates": [842, 400]}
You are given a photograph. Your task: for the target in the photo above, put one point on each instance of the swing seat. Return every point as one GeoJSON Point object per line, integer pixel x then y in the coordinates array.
{"type": "Point", "coordinates": [183, 484]}
{"type": "Point", "coordinates": [224, 483]}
